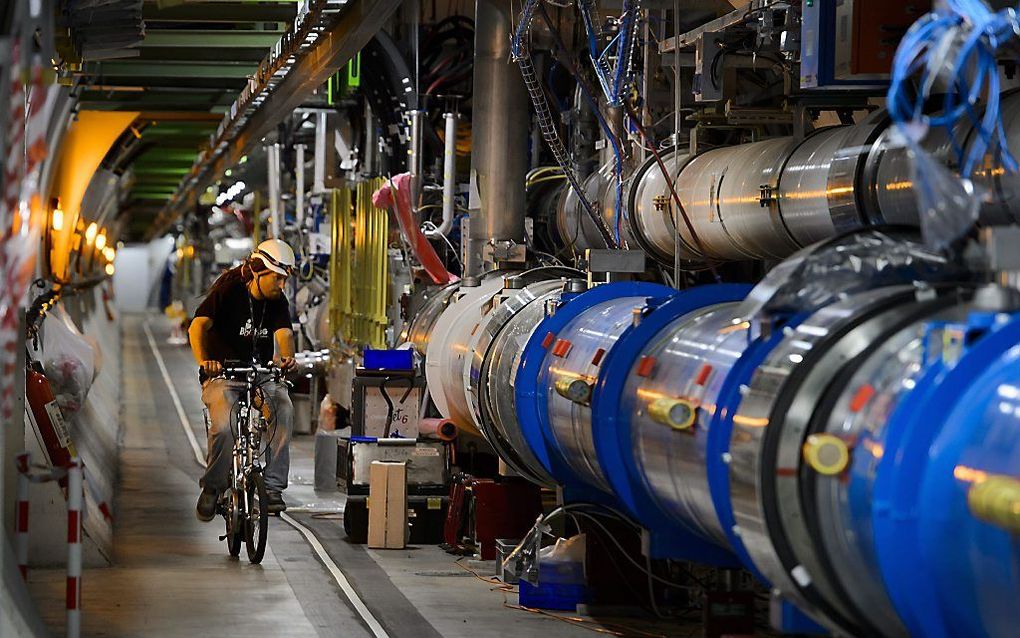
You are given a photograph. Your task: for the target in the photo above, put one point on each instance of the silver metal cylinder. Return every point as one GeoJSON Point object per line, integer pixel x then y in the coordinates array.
{"type": "Point", "coordinates": [570, 422]}
{"type": "Point", "coordinates": [494, 373]}
{"type": "Point", "coordinates": [767, 199]}
{"type": "Point", "coordinates": [769, 429]}
{"type": "Point", "coordinates": [499, 153]}
{"type": "Point", "coordinates": [693, 356]}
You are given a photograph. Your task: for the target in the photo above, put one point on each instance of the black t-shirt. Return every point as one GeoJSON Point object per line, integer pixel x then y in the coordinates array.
{"type": "Point", "coordinates": [236, 316]}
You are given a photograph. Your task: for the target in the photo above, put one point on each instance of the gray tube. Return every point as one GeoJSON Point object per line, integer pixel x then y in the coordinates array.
{"type": "Point", "coordinates": [499, 153]}
{"type": "Point", "coordinates": [449, 177]}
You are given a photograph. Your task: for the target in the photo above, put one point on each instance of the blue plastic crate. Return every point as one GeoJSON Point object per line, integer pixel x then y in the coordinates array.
{"type": "Point", "coordinates": [555, 596]}
{"type": "Point", "coordinates": [389, 359]}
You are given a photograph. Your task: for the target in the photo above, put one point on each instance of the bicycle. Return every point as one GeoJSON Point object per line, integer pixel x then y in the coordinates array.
{"type": "Point", "coordinates": [243, 503]}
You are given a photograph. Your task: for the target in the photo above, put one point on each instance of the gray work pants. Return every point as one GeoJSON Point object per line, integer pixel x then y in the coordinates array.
{"type": "Point", "coordinates": [219, 396]}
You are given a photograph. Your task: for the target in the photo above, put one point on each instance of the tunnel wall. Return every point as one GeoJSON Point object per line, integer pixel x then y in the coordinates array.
{"type": "Point", "coordinates": [95, 431]}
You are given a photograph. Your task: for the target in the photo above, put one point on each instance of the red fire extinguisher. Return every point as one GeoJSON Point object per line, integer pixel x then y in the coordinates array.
{"type": "Point", "coordinates": [48, 421]}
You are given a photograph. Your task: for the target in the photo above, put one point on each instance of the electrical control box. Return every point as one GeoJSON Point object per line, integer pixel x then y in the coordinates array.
{"type": "Point", "coordinates": [850, 44]}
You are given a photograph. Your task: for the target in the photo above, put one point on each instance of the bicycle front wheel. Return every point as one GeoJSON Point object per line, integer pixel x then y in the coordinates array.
{"type": "Point", "coordinates": [257, 520]}
{"type": "Point", "coordinates": [234, 518]}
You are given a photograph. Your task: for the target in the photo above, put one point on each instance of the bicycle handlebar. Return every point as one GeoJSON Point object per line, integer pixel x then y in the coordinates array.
{"type": "Point", "coordinates": [257, 369]}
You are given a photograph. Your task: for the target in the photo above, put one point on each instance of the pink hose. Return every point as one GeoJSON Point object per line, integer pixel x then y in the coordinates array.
{"type": "Point", "coordinates": [420, 246]}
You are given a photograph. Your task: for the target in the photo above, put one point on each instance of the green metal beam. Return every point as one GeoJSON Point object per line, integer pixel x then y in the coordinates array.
{"type": "Point", "coordinates": [202, 54]}
{"type": "Point", "coordinates": [152, 165]}
{"type": "Point", "coordinates": [154, 191]}
{"type": "Point", "coordinates": [169, 70]}
{"type": "Point", "coordinates": [156, 180]}
{"type": "Point", "coordinates": [154, 100]}
{"type": "Point", "coordinates": [145, 171]}
{"type": "Point", "coordinates": [157, 156]}
{"type": "Point", "coordinates": [203, 39]}
{"type": "Point", "coordinates": [179, 128]}
{"type": "Point", "coordinates": [225, 11]}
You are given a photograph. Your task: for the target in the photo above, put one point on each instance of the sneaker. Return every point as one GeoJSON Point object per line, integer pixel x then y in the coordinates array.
{"type": "Point", "coordinates": [206, 507]}
{"type": "Point", "coordinates": [274, 502]}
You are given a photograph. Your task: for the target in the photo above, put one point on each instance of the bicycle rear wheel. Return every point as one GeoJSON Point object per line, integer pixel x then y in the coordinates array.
{"type": "Point", "coordinates": [257, 517]}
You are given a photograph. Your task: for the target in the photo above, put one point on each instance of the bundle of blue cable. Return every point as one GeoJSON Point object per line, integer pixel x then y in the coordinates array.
{"type": "Point", "coordinates": [614, 82]}
{"type": "Point", "coordinates": [615, 88]}
{"type": "Point", "coordinates": [954, 49]}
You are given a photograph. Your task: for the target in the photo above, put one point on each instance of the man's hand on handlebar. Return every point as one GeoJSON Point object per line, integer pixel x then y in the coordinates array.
{"type": "Point", "coordinates": [286, 364]}
{"type": "Point", "coordinates": [212, 368]}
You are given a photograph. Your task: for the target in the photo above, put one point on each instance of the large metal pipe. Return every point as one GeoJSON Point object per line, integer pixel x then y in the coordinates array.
{"type": "Point", "coordinates": [499, 153]}
{"type": "Point", "coordinates": [767, 199]}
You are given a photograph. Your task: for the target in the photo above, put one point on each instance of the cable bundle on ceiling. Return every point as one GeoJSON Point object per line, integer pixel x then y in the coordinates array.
{"type": "Point", "coordinates": [101, 29]}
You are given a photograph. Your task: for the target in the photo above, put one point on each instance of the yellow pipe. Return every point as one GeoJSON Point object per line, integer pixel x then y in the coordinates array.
{"type": "Point", "coordinates": [347, 256]}
{"type": "Point", "coordinates": [996, 500]}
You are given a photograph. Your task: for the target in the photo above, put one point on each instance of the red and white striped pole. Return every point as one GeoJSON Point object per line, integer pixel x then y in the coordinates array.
{"type": "Point", "coordinates": [21, 522]}
{"type": "Point", "coordinates": [74, 507]}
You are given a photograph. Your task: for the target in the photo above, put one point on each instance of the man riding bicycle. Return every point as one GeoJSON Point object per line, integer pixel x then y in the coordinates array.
{"type": "Point", "coordinates": [243, 316]}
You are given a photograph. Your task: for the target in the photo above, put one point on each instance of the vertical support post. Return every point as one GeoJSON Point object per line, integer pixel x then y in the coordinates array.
{"type": "Point", "coordinates": [319, 170]}
{"type": "Point", "coordinates": [415, 160]}
{"type": "Point", "coordinates": [273, 162]}
{"type": "Point", "coordinates": [677, 123]}
{"type": "Point", "coordinates": [449, 173]}
{"type": "Point", "coordinates": [299, 185]}
{"type": "Point", "coordinates": [21, 516]}
{"type": "Point", "coordinates": [499, 153]}
{"type": "Point", "coordinates": [74, 507]}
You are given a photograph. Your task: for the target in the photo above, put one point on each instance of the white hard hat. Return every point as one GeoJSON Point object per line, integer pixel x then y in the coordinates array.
{"type": "Point", "coordinates": [276, 255]}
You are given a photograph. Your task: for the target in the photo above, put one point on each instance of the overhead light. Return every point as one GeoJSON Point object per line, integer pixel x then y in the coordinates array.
{"type": "Point", "coordinates": [90, 233]}
{"type": "Point", "coordinates": [109, 269]}
{"type": "Point", "coordinates": [109, 253]}
{"type": "Point", "coordinates": [101, 240]}
{"type": "Point", "coordinates": [58, 219]}
{"type": "Point", "coordinates": [228, 172]}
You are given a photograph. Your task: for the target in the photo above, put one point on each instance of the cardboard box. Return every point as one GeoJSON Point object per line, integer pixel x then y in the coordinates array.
{"type": "Point", "coordinates": [387, 505]}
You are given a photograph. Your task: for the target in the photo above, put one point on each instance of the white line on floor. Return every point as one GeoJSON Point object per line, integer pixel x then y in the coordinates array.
{"type": "Point", "coordinates": [199, 454]}
{"type": "Point", "coordinates": [345, 585]}
{"type": "Point", "coordinates": [334, 569]}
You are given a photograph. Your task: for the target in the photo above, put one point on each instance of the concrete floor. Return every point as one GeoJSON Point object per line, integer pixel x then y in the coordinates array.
{"type": "Point", "coordinates": [172, 576]}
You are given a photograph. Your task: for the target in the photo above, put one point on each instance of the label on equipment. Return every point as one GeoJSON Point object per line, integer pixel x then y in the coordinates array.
{"type": "Point", "coordinates": [59, 426]}
{"type": "Point", "coordinates": [426, 451]}
{"type": "Point", "coordinates": [435, 502]}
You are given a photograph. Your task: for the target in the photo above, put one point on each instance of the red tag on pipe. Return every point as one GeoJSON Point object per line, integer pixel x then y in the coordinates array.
{"type": "Point", "coordinates": [861, 398]}
{"type": "Point", "coordinates": [703, 373]}
{"type": "Point", "coordinates": [561, 348]}
{"type": "Point", "coordinates": [646, 366]}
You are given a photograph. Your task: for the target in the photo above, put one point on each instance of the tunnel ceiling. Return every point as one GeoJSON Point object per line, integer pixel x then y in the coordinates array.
{"type": "Point", "coordinates": [182, 74]}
